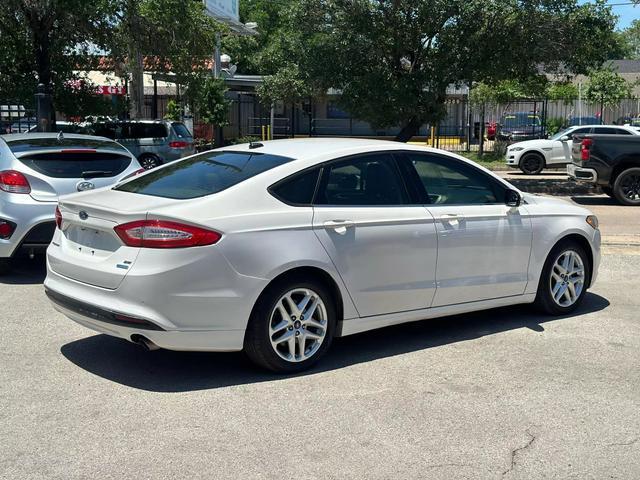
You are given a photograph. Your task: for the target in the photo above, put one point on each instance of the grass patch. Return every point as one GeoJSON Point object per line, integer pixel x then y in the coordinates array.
{"type": "Point", "coordinates": [490, 160]}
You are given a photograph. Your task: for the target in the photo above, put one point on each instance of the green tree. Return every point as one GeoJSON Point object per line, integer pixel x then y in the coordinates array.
{"type": "Point", "coordinates": [630, 39]}
{"type": "Point", "coordinates": [44, 41]}
{"type": "Point", "coordinates": [606, 88]}
{"type": "Point", "coordinates": [213, 105]}
{"type": "Point", "coordinates": [393, 60]}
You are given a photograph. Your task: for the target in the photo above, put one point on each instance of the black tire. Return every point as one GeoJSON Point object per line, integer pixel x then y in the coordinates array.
{"type": "Point", "coordinates": [626, 188]}
{"type": "Point", "coordinates": [257, 341]}
{"type": "Point", "coordinates": [149, 162]}
{"type": "Point", "coordinates": [544, 299]}
{"type": "Point", "coordinates": [5, 266]}
{"type": "Point", "coordinates": [607, 191]}
{"type": "Point", "coordinates": [531, 163]}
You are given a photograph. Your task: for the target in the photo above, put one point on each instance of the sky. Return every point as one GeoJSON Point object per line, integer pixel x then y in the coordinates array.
{"type": "Point", "coordinates": [625, 10]}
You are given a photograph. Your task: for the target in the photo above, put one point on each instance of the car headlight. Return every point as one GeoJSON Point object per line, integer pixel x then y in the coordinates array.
{"type": "Point", "coordinates": [593, 221]}
{"type": "Point", "coordinates": [516, 149]}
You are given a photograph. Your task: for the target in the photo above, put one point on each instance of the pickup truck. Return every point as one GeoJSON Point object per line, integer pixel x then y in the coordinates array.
{"type": "Point", "coordinates": [611, 161]}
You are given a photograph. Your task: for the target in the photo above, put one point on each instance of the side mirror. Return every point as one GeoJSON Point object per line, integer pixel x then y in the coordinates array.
{"type": "Point", "coordinates": [565, 138]}
{"type": "Point", "coordinates": [512, 198]}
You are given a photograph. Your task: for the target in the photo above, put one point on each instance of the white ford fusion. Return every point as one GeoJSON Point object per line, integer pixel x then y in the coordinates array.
{"type": "Point", "coordinates": [277, 248]}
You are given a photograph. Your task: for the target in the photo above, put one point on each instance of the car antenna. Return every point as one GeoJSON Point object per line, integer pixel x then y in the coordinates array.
{"type": "Point", "coordinates": [253, 145]}
{"type": "Point", "coordinates": [60, 136]}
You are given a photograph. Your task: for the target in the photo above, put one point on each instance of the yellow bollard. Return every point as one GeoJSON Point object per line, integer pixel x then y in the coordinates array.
{"type": "Point", "coordinates": [262, 129]}
{"type": "Point", "coordinates": [269, 137]}
{"type": "Point", "coordinates": [432, 138]}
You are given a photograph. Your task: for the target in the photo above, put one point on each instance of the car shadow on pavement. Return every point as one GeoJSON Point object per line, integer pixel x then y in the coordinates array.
{"type": "Point", "coordinates": [166, 371]}
{"type": "Point", "coordinates": [26, 271]}
{"type": "Point", "coordinates": [596, 200]}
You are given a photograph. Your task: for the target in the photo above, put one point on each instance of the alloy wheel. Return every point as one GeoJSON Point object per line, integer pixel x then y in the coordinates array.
{"type": "Point", "coordinates": [630, 186]}
{"type": "Point", "coordinates": [567, 278]}
{"type": "Point", "coordinates": [298, 325]}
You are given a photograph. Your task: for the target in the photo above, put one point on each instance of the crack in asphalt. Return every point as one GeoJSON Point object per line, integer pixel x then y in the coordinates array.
{"type": "Point", "coordinates": [624, 444]}
{"type": "Point", "coordinates": [515, 452]}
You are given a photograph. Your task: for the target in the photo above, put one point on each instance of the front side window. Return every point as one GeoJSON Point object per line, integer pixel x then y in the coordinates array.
{"type": "Point", "coordinates": [371, 179]}
{"type": "Point", "coordinates": [202, 175]}
{"type": "Point", "coordinates": [449, 182]}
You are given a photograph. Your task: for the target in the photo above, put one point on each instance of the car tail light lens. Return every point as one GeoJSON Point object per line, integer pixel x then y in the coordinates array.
{"type": "Point", "coordinates": [179, 144]}
{"type": "Point", "coordinates": [163, 234]}
{"type": "Point", "coordinates": [585, 153]}
{"type": "Point", "coordinates": [6, 229]}
{"type": "Point", "coordinates": [14, 182]}
{"type": "Point", "coordinates": [58, 218]}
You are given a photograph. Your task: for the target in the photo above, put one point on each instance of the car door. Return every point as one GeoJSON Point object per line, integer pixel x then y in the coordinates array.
{"type": "Point", "coordinates": [383, 245]}
{"type": "Point", "coordinates": [483, 244]}
{"type": "Point", "coordinates": [561, 152]}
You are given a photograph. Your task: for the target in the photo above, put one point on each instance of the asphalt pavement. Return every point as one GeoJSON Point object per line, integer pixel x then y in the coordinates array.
{"type": "Point", "coordinates": [506, 393]}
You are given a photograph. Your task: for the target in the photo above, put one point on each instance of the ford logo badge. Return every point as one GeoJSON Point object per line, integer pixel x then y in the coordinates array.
{"type": "Point", "coordinates": [83, 186]}
{"type": "Point", "coordinates": [83, 215]}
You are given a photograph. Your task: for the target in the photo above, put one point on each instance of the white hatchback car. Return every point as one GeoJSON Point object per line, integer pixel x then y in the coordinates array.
{"type": "Point", "coordinates": [532, 156]}
{"type": "Point", "coordinates": [277, 248]}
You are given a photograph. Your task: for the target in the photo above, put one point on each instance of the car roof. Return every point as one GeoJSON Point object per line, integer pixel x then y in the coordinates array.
{"type": "Point", "coordinates": [13, 137]}
{"type": "Point", "coordinates": [310, 148]}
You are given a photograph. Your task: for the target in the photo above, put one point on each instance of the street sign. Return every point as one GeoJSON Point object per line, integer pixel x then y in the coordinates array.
{"type": "Point", "coordinates": [223, 9]}
{"type": "Point", "coordinates": [109, 90]}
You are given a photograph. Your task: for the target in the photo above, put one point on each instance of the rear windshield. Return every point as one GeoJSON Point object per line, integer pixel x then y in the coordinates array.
{"type": "Point", "coordinates": [181, 130]}
{"type": "Point", "coordinates": [33, 144]}
{"type": "Point", "coordinates": [77, 165]}
{"type": "Point", "coordinates": [203, 174]}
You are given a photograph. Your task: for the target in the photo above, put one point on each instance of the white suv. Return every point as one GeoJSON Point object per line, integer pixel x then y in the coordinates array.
{"type": "Point", "coordinates": [534, 155]}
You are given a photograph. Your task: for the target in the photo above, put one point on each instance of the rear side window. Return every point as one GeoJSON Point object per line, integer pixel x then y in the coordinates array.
{"type": "Point", "coordinates": [203, 174]}
{"type": "Point", "coordinates": [605, 130]}
{"type": "Point", "coordinates": [181, 130]}
{"type": "Point", "coordinates": [299, 189]}
{"type": "Point", "coordinates": [142, 130]}
{"type": "Point", "coordinates": [77, 165]}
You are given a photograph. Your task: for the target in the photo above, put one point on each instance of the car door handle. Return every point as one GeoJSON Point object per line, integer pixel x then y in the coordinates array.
{"type": "Point", "coordinates": [340, 226]}
{"type": "Point", "coordinates": [452, 218]}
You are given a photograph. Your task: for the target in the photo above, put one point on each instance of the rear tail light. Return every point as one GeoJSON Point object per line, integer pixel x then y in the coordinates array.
{"type": "Point", "coordinates": [585, 153]}
{"type": "Point", "coordinates": [179, 144]}
{"type": "Point", "coordinates": [163, 234]}
{"type": "Point", "coordinates": [6, 229]}
{"type": "Point", "coordinates": [58, 218]}
{"type": "Point", "coordinates": [14, 182]}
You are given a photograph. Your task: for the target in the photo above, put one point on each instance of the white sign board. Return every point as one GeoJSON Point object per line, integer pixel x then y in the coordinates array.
{"type": "Point", "coordinates": [223, 9]}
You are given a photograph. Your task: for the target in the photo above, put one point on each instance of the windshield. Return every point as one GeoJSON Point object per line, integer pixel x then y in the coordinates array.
{"type": "Point", "coordinates": [203, 174]}
{"type": "Point", "coordinates": [520, 120]}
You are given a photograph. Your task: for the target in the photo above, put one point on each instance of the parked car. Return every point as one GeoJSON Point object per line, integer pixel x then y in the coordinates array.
{"type": "Point", "coordinates": [22, 125]}
{"type": "Point", "coordinates": [632, 121]}
{"type": "Point", "coordinates": [533, 156]}
{"type": "Point", "coordinates": [519, 126]}
{"type": "Point", "coordinates": [35, 169]}
{"type": "Point", "coordinates": [153, 142]}
{"type": "Point", "coordinates": [64, 127]}
{"type": "Point", "coordinates": [278, 247]}
{"type": "Point", "coordinates": [580, 121]}
{"type": "Point", "coordinates": [611, 161]}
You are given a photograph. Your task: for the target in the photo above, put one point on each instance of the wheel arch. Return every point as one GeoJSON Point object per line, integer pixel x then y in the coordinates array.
{"type": "Point", "coordinates": [584, 243]}
{"type": "Point", "coordinates": [534, 151]}
{"type": "Point", "coordinates": [625, 164]}
{"type": "Point", "coordinates": [310, 273]}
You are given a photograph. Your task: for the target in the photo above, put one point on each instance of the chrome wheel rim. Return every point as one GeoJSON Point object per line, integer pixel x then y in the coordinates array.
{"type": "Point", "coordinates": [149, 163]}
{"type": "Point", "coordinates": [567, 278]}
{"type": "Point", "coordinates": [298, 325]}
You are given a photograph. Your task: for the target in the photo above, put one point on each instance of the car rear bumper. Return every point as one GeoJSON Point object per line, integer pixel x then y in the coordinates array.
{"type": "Point", "coordinates": [582, 174]}
{"type": "Point", "coordinates": [35, 223]}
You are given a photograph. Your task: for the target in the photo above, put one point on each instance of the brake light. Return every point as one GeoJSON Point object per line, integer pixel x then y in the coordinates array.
{"type": "Point", "coordinates": [58, 218]}
{"type": "Point", "coordinates": [179, 144]}
{"type": "Point", "coordinates": [14, 182]}
{"type": "Point", "coordinates": [164, 234]}
{"type": "Point", "coordinates": [585, 153]}
{"type": "Point", "coordinates": [6, 229]}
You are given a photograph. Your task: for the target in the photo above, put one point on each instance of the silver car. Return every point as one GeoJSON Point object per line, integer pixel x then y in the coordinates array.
{"type": "Point", "coordinates": [153, 142]}
{"type": "Point", "coordinates": [37, 168]}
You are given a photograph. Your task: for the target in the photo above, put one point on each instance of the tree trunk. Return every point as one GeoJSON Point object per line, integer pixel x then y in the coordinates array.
{"type": "Point", "coordinates": [409, 130]}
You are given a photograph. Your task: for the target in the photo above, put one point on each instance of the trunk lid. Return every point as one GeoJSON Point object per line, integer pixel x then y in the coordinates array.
{"type": "Point", "coordinates": [88, 249]}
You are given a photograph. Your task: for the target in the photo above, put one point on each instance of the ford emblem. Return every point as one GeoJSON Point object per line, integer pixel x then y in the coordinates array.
{"type": "Point", "coordinates": [83, 215]}
{"type": "Point", "coordinates": [83, 186]}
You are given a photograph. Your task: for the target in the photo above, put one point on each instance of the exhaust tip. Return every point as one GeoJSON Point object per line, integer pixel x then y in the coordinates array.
{"type": "Point", "coordinates": [144, 342]}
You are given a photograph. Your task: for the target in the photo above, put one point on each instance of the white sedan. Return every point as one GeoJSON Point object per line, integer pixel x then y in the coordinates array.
{"type": "Point", "coordinates": [276, 248]}
{"type": "Point", "coordinates": [532, 156]}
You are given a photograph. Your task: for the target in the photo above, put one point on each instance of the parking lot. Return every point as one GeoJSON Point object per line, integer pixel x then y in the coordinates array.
{"type": "Point", "coordinates": [506, 393]}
